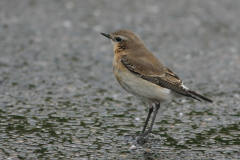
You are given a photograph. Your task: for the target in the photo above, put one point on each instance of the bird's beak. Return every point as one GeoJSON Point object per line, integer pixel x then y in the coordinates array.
{"type": "Point", "coordinates": [106, 35]}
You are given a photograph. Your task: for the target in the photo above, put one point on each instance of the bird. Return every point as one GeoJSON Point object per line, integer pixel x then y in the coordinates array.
{"type": "Point", "coordinates": [140, 73]}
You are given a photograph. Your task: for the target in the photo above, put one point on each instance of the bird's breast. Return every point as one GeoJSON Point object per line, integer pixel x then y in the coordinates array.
{"type": "Point", "coordinates": [117, 70]}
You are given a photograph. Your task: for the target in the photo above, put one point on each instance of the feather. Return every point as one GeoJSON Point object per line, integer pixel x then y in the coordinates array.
{"type": "Point", "coordinates": [160, 75]}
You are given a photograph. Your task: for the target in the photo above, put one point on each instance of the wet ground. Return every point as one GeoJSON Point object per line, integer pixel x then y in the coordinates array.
{"type": "Point", "coordinates": [60, 100]}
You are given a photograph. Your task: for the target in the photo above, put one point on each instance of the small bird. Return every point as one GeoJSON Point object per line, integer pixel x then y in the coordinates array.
{"type": "Point", "coordinates": [140, 73]}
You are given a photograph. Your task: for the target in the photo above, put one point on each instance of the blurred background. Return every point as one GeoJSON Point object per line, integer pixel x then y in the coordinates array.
{"type": "Point", "coordinates": [59, 97]}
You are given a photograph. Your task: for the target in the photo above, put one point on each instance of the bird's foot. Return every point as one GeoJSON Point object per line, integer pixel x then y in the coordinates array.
{"type": "Point", "coordinates": [142, 136]}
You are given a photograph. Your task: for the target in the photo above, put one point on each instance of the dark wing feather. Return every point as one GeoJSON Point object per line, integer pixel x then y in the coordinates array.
{"type": "Point", "coordinates": [166, 79]}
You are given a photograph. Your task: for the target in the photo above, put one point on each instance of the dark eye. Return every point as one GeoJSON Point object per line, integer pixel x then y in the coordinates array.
{"type": "Point", "coordinates": [118, 39]}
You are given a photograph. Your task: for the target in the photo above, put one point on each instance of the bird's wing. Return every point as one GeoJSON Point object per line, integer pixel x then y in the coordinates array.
{"type": "Point", "coordinates": [156, 72]}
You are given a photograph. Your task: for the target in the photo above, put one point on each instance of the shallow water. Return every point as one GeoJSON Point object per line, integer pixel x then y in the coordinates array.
{"type": "Point", "coordinates": [59, 98]}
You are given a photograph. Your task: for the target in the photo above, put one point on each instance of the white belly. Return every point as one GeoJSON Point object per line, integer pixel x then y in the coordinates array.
{"type": "Point", "coordinates": [142, 88]}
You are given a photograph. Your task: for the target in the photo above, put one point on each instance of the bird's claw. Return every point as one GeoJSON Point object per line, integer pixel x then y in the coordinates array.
{"type": "Point", "coordinates": [143, 135]}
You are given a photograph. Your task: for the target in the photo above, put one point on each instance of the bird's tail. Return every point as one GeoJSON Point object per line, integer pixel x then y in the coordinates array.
{"type": "Point", "coordinates": [197, 96]}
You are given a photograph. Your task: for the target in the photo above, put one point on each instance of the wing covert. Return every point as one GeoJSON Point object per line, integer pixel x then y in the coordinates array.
{"type": "Point", "coordinates": [166, 79]}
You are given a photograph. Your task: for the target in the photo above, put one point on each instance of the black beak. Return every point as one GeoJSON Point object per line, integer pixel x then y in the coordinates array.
{"type": "Point", "coordinates": [106, 35]}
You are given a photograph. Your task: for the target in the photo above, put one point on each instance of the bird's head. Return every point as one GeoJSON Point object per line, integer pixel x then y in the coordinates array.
{"type": "Point", "coordinates": [123, 40]}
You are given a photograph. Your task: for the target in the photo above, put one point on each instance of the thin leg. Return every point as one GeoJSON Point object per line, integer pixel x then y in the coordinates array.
{"type": "Point", "coordinates": [154, 116]}
{"type": "Point", "coordinates": [149, 115]}
{"type": "Point", "coordinates": [143, 133]}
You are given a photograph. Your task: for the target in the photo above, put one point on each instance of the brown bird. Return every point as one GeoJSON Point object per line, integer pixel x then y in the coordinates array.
{"type": "Point", "coordinates": [140, 73]}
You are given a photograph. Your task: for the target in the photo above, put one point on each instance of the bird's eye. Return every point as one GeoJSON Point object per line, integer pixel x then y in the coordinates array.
{"type": "Point", "coordinates": [118, 39]}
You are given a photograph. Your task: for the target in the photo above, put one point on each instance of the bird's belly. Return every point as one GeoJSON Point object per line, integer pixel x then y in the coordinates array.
{"type": "Point", "coordinates": [140, 87]}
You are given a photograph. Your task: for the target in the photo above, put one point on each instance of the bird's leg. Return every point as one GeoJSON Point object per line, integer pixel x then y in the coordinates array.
{"type": "Point", "coordinates": [148, 117]}
{"type": "Point", "coordinates": [144, 134]}
{"type": "Point", "coordinates": [154, 116]}
{"type": "Point", "coordinates": [146, 122]}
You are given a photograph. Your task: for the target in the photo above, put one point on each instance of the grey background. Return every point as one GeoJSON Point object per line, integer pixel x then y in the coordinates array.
{"type": "Point", "coordinates": [59, 97]}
